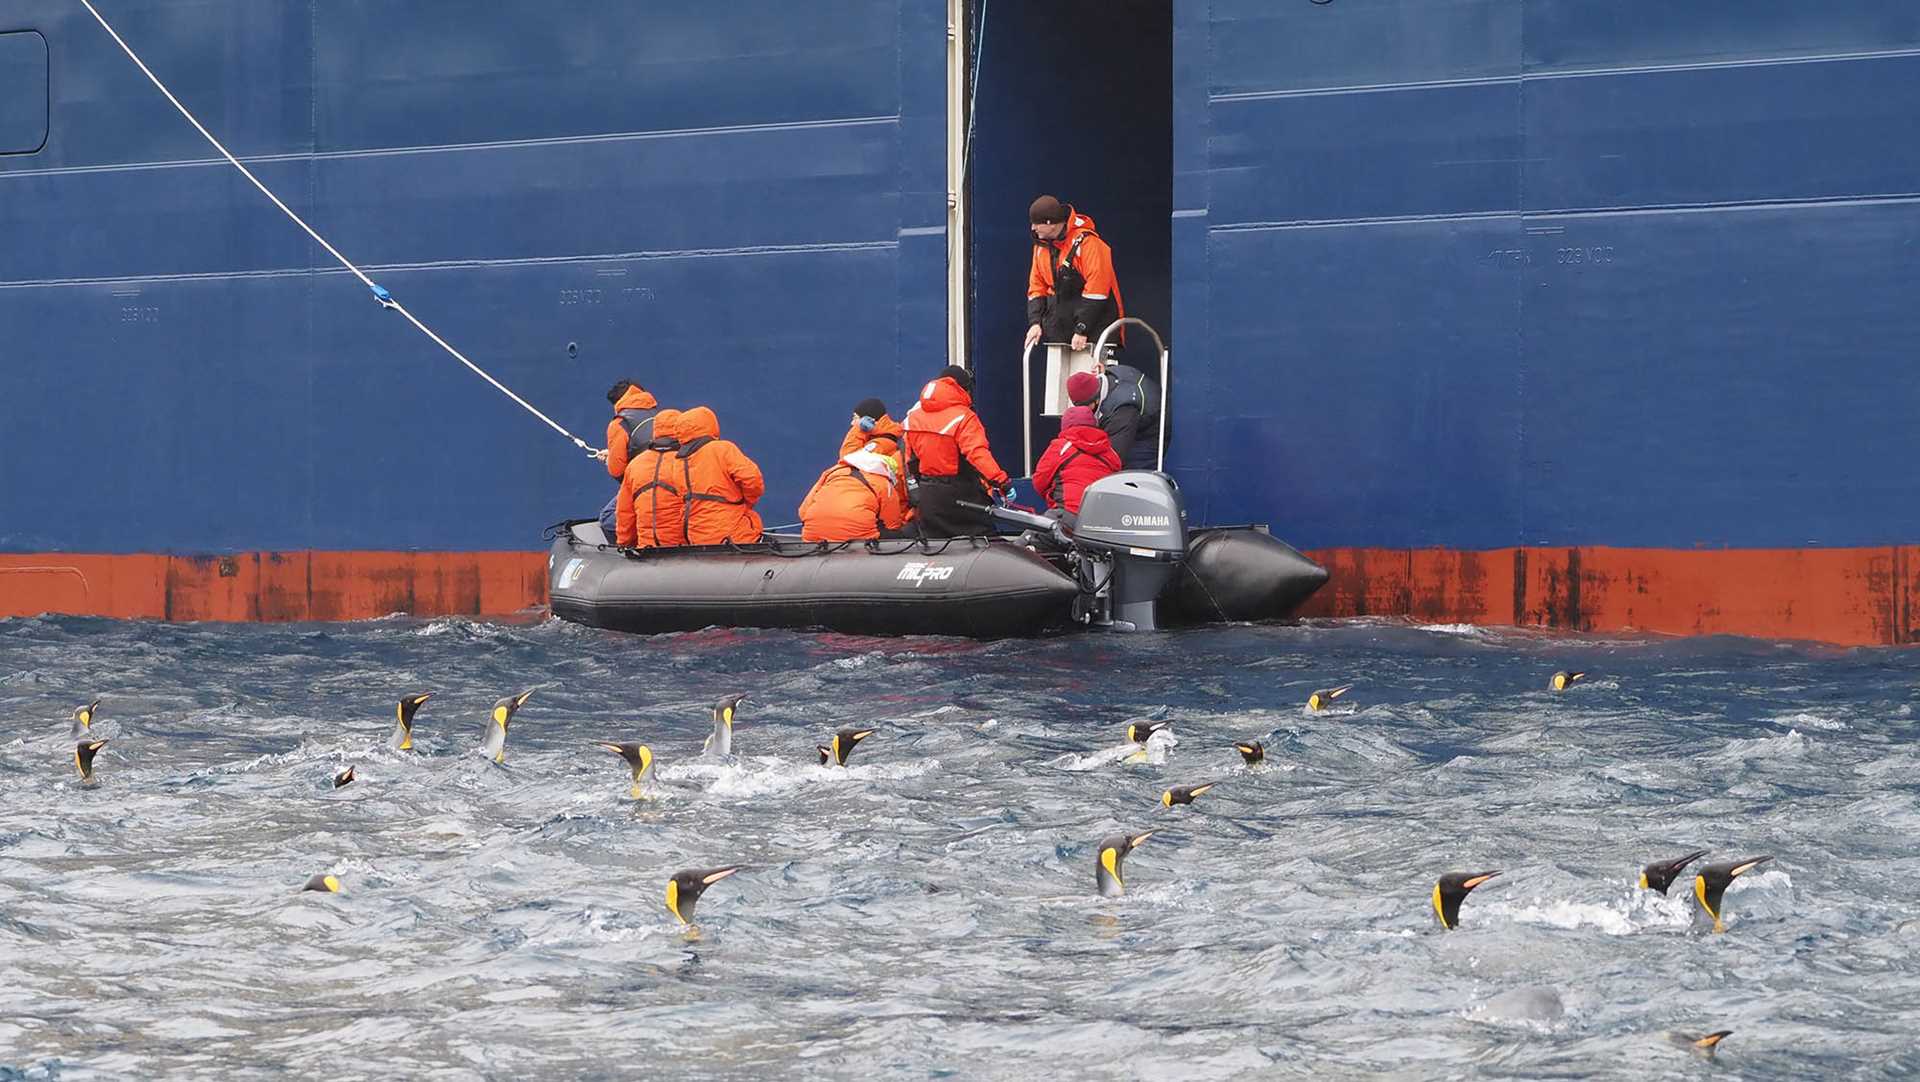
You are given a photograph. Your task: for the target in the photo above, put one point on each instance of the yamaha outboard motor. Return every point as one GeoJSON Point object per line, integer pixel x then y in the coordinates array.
{"type": "Point", "coordinates": [1133, 526]}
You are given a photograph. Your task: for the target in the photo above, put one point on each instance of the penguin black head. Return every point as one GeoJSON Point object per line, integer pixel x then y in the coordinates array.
{"type": "Point", "coordinates": [1252, 751]}
{"type": "Point", "coordinates": [83, 720]}
{"type": "Point", "coordinates": [685, 888]}
{"type": "Point", "coordinates": [845, 741]}
{"type": "Point", "coordinates": [497, 722]}
{"type": "Point", "coordinates": [1111, 858]}
{"type": "Point", "coordinates": [1184, 794]}
{"type": "Point", "coordinates": [403, 723]}
{"type": "Point", "coordinates": [1452, 889]}
{"type": "Point", "coordinates": [326, 884]}
{"type": "Point", "coordinates": [1561, 681]}
{"type": "Point", "coordinates": [826, 753]}
{"type": "Point", "coordinates": [727, 707]}
{"type": "Point", "coordinates": [1324, 698]}
{"type": "Point", "coordinates": [639, 759]}
{"type": "Point", "coordinates": [1710, 885]}
{"type": "Point", "coordinates": [83, 754]}
{"type": "Point", "coordinates": [343, 779]}
{"type": "Point", "coordinates": [1660, 874]}
{"type": "Point", "coordinates": [1139, 732]}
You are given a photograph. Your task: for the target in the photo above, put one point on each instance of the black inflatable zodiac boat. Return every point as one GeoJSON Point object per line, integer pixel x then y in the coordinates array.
{"type": "Point", "coordinates": [1129, 563]}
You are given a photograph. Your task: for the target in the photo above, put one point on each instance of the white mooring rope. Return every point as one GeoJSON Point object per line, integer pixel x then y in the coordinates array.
{"type": "Point", "coordinates": [386, 299]}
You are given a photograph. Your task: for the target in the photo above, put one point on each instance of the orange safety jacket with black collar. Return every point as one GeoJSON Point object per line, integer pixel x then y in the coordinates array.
{"type": "Point", "coordinates": [1071, 285]}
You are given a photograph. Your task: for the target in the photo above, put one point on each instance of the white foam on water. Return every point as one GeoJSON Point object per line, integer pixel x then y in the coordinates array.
{"type": "Point", "coordinates": [1811, 721]}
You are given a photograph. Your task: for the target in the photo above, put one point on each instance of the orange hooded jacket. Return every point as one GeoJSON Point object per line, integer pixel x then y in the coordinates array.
{"type": "Point", "coordinates": [650, 512]}
{"type": "Point", "coordinates": [942, 428]}
{"type": "Point", "coordinates": [854, 500]}
{"type": "Point", "coordinates": [885, 439]}
{"type": "Point", "coordinates": [886, 432]}
{"type": "Point", "coordinates": [721, 483]}
{"type": "Point", "coordinates": [617, 449]}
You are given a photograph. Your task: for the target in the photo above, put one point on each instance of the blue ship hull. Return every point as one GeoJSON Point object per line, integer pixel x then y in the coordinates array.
{"type": "Point", "coordinates": [1519, 283]}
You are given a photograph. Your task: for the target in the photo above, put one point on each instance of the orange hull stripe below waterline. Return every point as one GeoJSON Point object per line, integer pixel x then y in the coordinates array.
{"type": "Point", "coordinates": [1854, 596]}
{"type": "Point", "coordinates": [274, 585]}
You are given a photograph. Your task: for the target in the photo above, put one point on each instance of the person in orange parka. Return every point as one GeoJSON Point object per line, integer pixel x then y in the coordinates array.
{"type": "Point", "coordinates": [872, 425]}
{"type": "Point", "coordinates": [1072, 290]}
{"type": "Point", "coordinates": [721, 483]}
{"type": "Point", "coordinates": [948, 459]}
{"type": "Point", "coordinates": [856, 499]}
{"type": "Point", "coordinates": [1079, 456]}
{"type": "Point", "coordinates": [632, 426]}
{"type": "Point", "coordinates": [651, 511]}
{"type": "Point", "coordinates": [873, 430]}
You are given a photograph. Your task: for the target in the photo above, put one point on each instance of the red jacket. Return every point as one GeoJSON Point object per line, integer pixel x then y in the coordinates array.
{"type": "Point", "coordinates": [617, 450]}
{"type": "Point", "coordinates": [1079, 456]}
{"type": "Point", "coordinates": [942, 428]}
{"type": "Point", "coordinates": [650, 512]}
{"type": "Point", "coordinates": [722, 483]}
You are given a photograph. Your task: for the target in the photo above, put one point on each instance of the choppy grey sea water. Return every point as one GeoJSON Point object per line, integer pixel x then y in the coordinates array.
{"type": "Point", "coordinates": [930, 912]}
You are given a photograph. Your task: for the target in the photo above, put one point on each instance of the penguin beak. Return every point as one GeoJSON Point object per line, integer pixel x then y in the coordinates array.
{"type": "Point", "coordinates": [1135, 841]}
{"type": "Point", "coordinates": [1707, 1043]}
{"type": "Point", "coordinates": [520, 700]}
{"type": "Point", "coordinates": [716, 876]}
{"type": "Point", "coordinates": [1750, 865]}
{"type": "Point", "coordinates": [1478, 879]}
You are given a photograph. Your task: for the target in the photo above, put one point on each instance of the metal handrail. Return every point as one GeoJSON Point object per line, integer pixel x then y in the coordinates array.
{"type": "Point", "coordinates": [1099, 348]}
{"type": "Point", "coordinates": [1160, 426]}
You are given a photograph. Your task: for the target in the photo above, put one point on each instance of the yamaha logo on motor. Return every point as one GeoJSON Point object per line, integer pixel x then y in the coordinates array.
{"type": "Point", "coordinates": [919, 573]}
{"type": "Point", "coordinates": [1146, 520]}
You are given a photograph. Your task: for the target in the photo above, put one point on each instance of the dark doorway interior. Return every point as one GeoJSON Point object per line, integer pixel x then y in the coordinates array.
{"type": "Point", "coordinates": [1072, 98]}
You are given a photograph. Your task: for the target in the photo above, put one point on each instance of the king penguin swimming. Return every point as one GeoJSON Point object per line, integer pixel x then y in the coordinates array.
{"type": "Point", "coordinates": [1111, 858]}
{"type": "Point", "coordinates": [503, 711]}
{"type": "Point", "coordinates": [1710, 885]}
{"type": "Point", "coordinates": [83, 720]}
{"type": "Point", "coordinates": [83, 754]}
{"type": "Point", "coordinates": [1451, 890]}
{"type": "Point", "coordinates": [343, 779]}
{"type": "Point", "coordinates": [402, 739]}
{"type": "Point", "coordinates": [639, 759]}
{"type": "Point", "coordinates": [842, 746]}
{"type": "Point", "coordinates": [1184, 794]}
{"type": "Point", "coordinates": [1324, 698]}
{"type": "Point", "coordinates": [685, 888]}
{"type": "Point", "coordinates": [1661, 873]}
{"type": "Point", "coordinates": [325, 884]}
{"type": "Point", "coordinates": [1700, 1046]}
{"type": "Point", "coordinates": [720, 741]}
{"type": "Point", "coordinates": [1139, 732]}
{"type": "Point", "coordinates": [1561, 681]}
{"type": "Point", "coordinates": [1252, 751]}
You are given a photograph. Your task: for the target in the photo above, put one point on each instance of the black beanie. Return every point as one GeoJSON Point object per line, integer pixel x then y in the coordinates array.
{"type": "Point", "coordinates": [871, 407]}
{"type": "Point", "coordinates": [958, 375]}
{"type": "Point", "coordinates": [1046, 209]}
